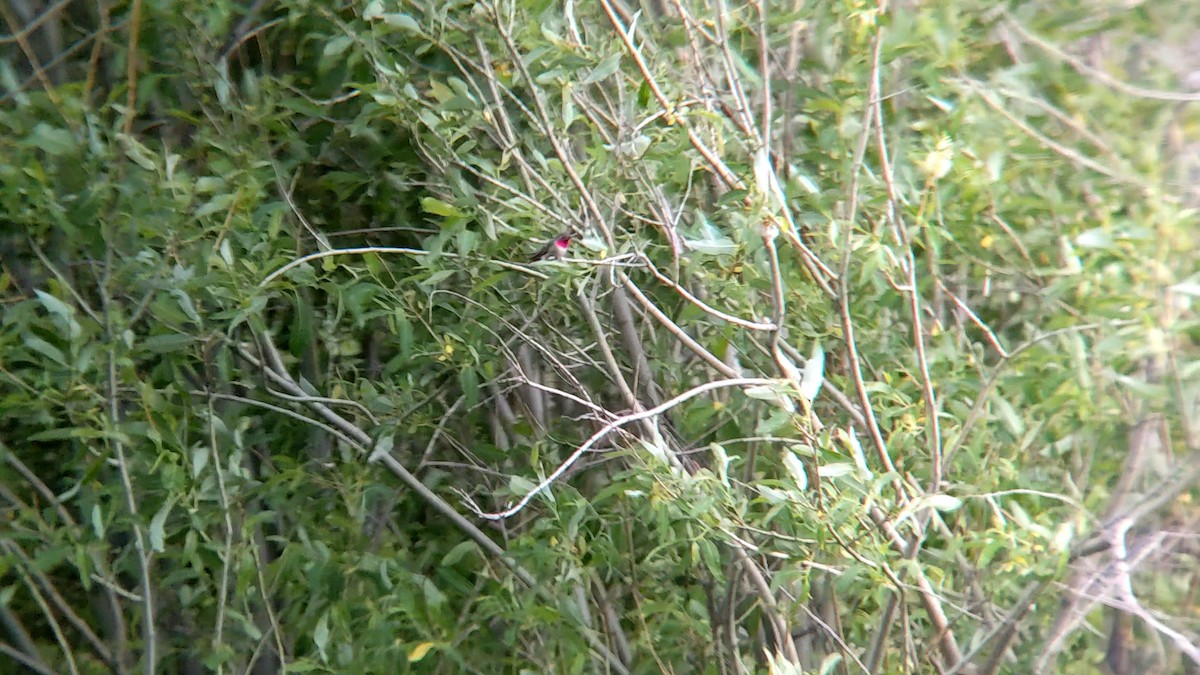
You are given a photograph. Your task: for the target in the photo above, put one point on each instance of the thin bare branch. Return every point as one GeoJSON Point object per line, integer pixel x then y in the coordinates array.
{"type": "Point", "coordinates": [609, 428]}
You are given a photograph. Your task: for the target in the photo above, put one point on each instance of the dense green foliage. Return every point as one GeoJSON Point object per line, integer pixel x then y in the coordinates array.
{"type": "Point", "coordinates": [875, 350]}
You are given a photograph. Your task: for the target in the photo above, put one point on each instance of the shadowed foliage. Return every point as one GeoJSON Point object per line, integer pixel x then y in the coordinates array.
{"type": "Point", "coordinates": [874, 347]}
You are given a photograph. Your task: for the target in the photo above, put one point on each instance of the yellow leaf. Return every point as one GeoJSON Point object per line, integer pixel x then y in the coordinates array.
{"type": "Point", "coordinates": [938, 162]}
{"type": "Point", "coordinates": [419, 652]}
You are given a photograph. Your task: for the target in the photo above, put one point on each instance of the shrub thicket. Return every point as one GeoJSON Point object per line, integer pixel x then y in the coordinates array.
{"type": "Point", "coordinates": [874, 349]}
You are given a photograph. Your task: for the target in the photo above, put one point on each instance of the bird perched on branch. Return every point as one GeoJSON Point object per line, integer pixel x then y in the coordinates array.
{"type": "Point", "coordinates": [555, 249]}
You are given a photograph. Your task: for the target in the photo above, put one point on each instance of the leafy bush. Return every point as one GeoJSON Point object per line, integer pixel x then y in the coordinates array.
{"type": "Point", "coordinates": [873, 349]}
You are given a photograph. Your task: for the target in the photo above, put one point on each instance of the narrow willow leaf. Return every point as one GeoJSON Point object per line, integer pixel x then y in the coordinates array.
{"type": "Point", "coordinates": [417, 653]}
{"type": "Point", "coordinates": [795, 469]}
{"type": "Point", "coordinates": [814, 374]}
{"type": "Point", "coordinates": [943, 502]}
{"type": "Point", "coordinates": [63, 313]}
{"type": "Point", "coordinates": [321, 635]}
{"type": "Point", "coordinates": [158, 525]}
{"type": "Point", "coordinates": [606, 67]}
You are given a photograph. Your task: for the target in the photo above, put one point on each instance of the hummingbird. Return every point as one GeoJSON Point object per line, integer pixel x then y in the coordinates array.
{"type": "Point", "coordinates": [555, 249]}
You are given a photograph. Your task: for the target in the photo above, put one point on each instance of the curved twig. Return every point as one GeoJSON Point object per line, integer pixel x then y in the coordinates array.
{"type": "Point", "coordinates": [609, 428]}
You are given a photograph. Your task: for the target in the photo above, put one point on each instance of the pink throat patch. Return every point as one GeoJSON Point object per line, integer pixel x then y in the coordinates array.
{"type": "Point", "coordinates": [562, 242]}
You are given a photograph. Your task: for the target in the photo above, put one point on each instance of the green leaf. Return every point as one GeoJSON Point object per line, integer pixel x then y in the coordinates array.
{"type": "Point", "coordinates": [711, 557]}
{"type": "Point", "coordinates": [404, 332]}
{"type": "Point", "coordinates": [457, 553]}
{"type": "Point", "coordinates": [830, 663]}
{"type": "Point", "coordinates": [303, 666]}
{"type": "Point", "coordinates": [218, 204]}
{"type": "Point", "coordinates": [337, 45]}
{"type": "Point", "coordinates": [606, 67]}
{"type": "Point", "coordinates": [209, 184]}
{"type": "Point", "coordinates": [62, 312]}
{"type": "Point", "coordinates": [439, 207]}
{"type": "Point", "coordinates": [139, 154]}
{"type": "Point", "coordinates": [1008, 415]}
{"type": "Point", "coordinates": [776, 394]}
{"type": "Point", "coordinates": [52, 140]}
{"type": "Point", "coordinates": [200, 454]}
{"type": "Point", "coordinates": [468, 379]}
{"type": "Point", "coordinates": [165, 344]}
{"type": "Point", "coordinates": [97, 521]}
{"type": "Point", "coordinates": [45, 349]}
{"type": "Point", "coordinates": [321, 636]}
{"type": "Point", "coordinates": [437, 277]}
{"type": "Point", "coordinates": [709, 240]}
{"type": "Point", "coordinates": [185, 303]}
{"type": "Point", "coordinates": [433, 596]}
{"type": "Point", "coordinates": [404, 21]}
{"type": "Point", "coordinates": [835, 470]}
{"type": "Point", "coordinates": [795, 469]}
{"type": "Point", "coordinates": [157, 525]}
{"type": "Point", "coordinates": [773, 422]}
{"type": "Point", "coordinates": [75, 433]}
